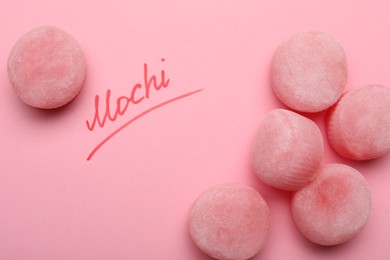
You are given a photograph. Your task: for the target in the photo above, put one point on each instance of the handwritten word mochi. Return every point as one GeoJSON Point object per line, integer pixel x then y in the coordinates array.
{"type": "Point", "coordinates": [230, 221]}
{"type": "Point", "coordinates": [309, 72]}
{"type": "Point", "coordinates": [288, 150]}
{"type": "Point", "coordinates": [334, 207]}
{"type": "Point", "coordinates": [46, 68]}
{"type": "Point", "coordinates": [358, 126]}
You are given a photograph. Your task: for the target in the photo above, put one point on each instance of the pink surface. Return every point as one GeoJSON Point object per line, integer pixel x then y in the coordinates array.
{"type": "Point", "coordinates": [132, 198]}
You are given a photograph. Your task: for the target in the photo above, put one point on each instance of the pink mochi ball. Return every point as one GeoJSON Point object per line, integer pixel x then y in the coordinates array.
{"type": "Point", "coordinates": [309, 72]}
{"type": "Point", "coordinates": [230, 222]}
{"type": "Point", "coordinates": [334, 207]}
{"type": "Point", "coordinates": [46, 67]}
{"type": "Point", "coordinates": [358, 126]}
{"type": "Point", "coordinates": [288, 150]}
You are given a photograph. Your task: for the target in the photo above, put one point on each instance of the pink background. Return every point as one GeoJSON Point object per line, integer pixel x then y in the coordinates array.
{"type": "Point", "coordinates": [131, 200]}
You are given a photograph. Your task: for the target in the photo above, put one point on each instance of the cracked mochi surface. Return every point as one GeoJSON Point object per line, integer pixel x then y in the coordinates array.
{"type": "Point", "coordinates": [230, 222]}
{"type": "Point", "coordinates": [334, 207]}
{"type": "Point", "coordinates": [309, 72]}
{"type": "Point", "coordinates": [358, 126]}
{"type": "Point", "coordinates": [288, 150]}
{"type": "Point", "coordinates": [46, 68]}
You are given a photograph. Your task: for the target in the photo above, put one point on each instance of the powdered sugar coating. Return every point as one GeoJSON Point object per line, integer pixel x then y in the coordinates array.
{"type": "Point", "coordinates": [46, 67]}
{"type": "Point", "coordinates": [358, 126]}
{"type": "Point", "coordinates": [334, 207]}
{"type": "Point", "coordinates": [288, 150]}
{"type": "Point", "coordinates": [230, 221]}
{"type": "Point", "coordinates": [309, 72]}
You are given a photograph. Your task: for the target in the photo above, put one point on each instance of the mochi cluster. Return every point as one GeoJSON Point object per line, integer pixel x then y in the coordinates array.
{"type": "Point", "coordinates": [330, 203]}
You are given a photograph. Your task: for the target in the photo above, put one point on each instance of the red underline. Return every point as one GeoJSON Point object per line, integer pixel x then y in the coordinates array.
{"type": "Point", "coordinates": [105, 140]}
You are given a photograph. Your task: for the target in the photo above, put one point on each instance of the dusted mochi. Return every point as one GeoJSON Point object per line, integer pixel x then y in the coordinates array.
{"type": "Point", "coordinates": [334, 207]}
{"type": "Point", "coordinates": [46, 68]}
{"type": "Point", "coordinates": [230, 221]}
{"type": "Point", "coordinates": [309, 72]}
{"type": "Point", "coordinates": [358, 126]}
{"type": "Point", "coordinates": [288, 150]}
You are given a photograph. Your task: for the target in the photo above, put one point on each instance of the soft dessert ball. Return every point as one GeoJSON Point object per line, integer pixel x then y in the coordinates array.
{"type": "Point", "coordinates": [230, 221]}
{"type": "Point", "coordinates": [334, 207]}
{"type": "Point", "coordinates": [358, 125]}
{"type": "Point", "coordinates": [288, 150]}
{"type": "Point", "coordinates": [309, 72]}
{"type": "Point", "coordinates": [46, 68]}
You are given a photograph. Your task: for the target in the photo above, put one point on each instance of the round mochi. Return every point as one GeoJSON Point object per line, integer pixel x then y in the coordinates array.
{"type": "Point", "coordinates": [309, 72]}
{"type": "Point", "coordinates": [230, 221]}
{"type": "Point", "coordinates": [334, 207]}
{"type": "Point", "coordinates": [358, 125]}
{"type": "Point", "coordinates": [46, 67]}
{"type": "Point", "coordinates": [288, 150]}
